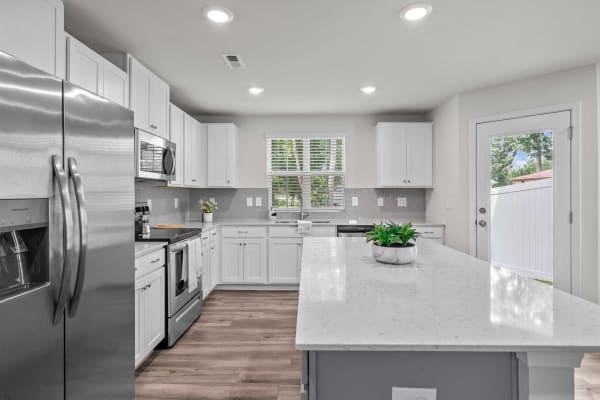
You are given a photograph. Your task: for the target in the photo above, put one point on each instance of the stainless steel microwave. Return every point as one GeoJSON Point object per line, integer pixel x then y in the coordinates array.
{"type": "Point", "coordinates": [154, 157]}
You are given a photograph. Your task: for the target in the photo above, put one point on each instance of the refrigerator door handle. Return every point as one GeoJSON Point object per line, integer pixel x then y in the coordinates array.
{"type": "Point", "coordinates": [83, 234]}
{"type": "Point", "coordinates": [67, 227]}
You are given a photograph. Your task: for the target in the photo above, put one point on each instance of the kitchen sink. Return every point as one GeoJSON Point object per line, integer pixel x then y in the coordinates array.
{"type": "Point", "coordinates": [285, 222]}
{"type": "Point", "coordinates": [321, 222]}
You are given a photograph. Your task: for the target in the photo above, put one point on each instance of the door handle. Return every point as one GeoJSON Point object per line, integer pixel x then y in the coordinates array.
{"type": "Point", "coordinates": [482, 223]}
{"type": "Point", "coordinates": [67, 226]}
{"type": "Point", "coordinates": [83, 235]}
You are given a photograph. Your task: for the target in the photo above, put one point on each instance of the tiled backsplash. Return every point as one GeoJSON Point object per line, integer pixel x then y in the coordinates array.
{"type": "Point", "coordinates": [233, 203]}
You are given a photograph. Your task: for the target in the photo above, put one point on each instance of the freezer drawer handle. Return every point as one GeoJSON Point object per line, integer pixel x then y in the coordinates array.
{"type": "Point", "coordinates": [67, 227]}
{"type": "Point", "coordinates": [83, 235]}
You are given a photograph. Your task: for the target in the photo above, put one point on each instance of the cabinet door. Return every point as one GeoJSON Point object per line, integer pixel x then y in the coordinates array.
{"type": "Point", "coordinates": [33, 31]}
{"type": "Point", "coordinates": [116, 84]}
{"type": "Point", "coordinates": [255, 260]}
{"type": "Point", "coordinates": [139, 351]}
{"type": "Point", "coordinates": [139, 95]}
{"type": "Point", "coordinates": [391, 154]}
{"type": "Point", "coordinates": [223, 155]}
{"type": "Point", "coordinates": [176, 134]}
{"type": "Point", "coordinates": [153, 306]}
{"type": "Point", "coordinates": [284, 256]}
{"type": "Point", "coordinates": [419, 154]}
{"type": "Point", "coordinates": [159, 107]}
{"type": "Point", "coordinates": [214, 263]}
{"type": "Point", "coordinates": [85, 67]}
{"type": "Point", "coordinates": [195, 139]}
{"type": "Point", "coordinates": [232, 263]}
{"type": "Point", "coordinates": [206, 268]}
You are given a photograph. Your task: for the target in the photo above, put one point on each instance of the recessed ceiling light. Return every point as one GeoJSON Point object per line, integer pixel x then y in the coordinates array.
{"type": "Point", "coordinates": [218, 15]}
{"type": "Point", "coordinates": [415, 12]}
{"type": "Point", "coordinates": [255, 90]}
{"type": "Point", "coordinates": [368, 89]}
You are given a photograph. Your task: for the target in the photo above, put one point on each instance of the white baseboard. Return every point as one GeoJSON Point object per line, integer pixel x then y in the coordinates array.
{"type": "Point", "coordinates": [257, 287]}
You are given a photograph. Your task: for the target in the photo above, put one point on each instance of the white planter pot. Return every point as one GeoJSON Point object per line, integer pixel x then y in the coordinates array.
{"type": "Point", "coordinates": [394, 255]}
{"type": "Point", "coordinates": [207, 217]}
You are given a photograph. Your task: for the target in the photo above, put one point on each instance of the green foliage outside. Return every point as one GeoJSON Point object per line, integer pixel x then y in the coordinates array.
{"type": "Point", "coordinates": [504, 149]}
{"type": "Point", "coordinates": [323, 155]}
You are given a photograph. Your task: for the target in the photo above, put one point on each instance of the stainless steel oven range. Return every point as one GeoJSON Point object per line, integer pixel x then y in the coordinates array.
{"type": "Point", "coordinates": [184, 280]}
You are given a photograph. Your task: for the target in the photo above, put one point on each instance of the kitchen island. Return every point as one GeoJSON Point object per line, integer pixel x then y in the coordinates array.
{"type": "Point", "coordinates": [449, 321]}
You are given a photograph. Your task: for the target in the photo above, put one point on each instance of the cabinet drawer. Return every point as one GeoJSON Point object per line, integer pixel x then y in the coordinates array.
{"type": "Point", "coordinates": [292, 231]}
{"type": "Point", "coordinates": [430, 232]}
{"type": "Point", "coordinates": [150, 262]}
{"type": "Point", "coordinates": [244, 231]}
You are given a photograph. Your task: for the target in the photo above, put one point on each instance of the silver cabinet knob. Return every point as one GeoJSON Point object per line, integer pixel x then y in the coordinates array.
{"type": "Point", "coordinates": [482, 210]}
{"type": "Point", "coordinates": [482, 223]}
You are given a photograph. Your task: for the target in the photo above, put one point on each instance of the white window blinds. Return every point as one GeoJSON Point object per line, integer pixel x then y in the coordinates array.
{"type": "Point", "coordinates": [307, 172]}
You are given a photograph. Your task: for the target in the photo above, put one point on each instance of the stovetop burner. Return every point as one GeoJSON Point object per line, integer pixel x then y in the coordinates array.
{"type": "Point", "coordinates": [170, 235]}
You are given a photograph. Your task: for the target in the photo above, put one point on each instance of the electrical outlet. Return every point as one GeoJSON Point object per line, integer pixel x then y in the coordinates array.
{"type": "Point", "coordinates": [354, 201]}
{"type": "Point", "coordinates": [401, 201]}
{"type": "Point", "coordinates": [413, 394]}
{"type": "Point", "coordinates": [248, 201]}
{"type": "Point", "coordinates": [149, 201]}
{"type": "Point", "coordinates": [258, 201]}
{"type": "Point", "coordinates": [380, 202]}
{"type": "Point", "coordinates": [176, 203]}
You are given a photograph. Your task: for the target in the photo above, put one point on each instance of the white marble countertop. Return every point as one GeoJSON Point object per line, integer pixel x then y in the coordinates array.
{"type": "Point", "coordinates": [447, 301]}
{"type": "Point", "coordinates": [267, 222]}
{"type": "Point", "coordinates": [143, 248]}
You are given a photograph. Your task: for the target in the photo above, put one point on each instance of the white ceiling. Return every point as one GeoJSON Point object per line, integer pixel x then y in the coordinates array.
{"type": "Point", "coordinates": [311, 56]}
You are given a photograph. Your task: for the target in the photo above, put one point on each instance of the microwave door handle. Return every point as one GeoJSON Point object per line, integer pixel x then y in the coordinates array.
{"type": "Point", "coordinates": [83, 235]}
{"type": "Point", "coordinates": [67, 227]}
{"type": "Point", "coordinates": [174, 162]}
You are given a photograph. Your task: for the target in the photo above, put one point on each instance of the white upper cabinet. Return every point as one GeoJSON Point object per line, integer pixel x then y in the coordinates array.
{"type": "Point", "coordinates": [404, 154]}
{"type": "Point", "coordinates": [195, 152]}
{"type": "Point", "coordinates": [33, 30]}
{"type": "Point", "coordinates": [116, 84]}
{"type": "Point", "coordinates": [149, 100]}
{"type": "Point", "coordinates": [85, 67]}
{"type": "Point", "coordinates": [223, 155]}
{"type": "Point", "coordinates": [93, 72]}
{"type": "Point", "coordinates": [176, 116]}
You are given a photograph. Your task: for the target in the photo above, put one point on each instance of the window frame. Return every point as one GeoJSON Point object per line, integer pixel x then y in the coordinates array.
{"type": "Point", "coordinates": [306, 172]}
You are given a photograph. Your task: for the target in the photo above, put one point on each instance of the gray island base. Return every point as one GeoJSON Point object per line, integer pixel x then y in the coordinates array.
{"type": "Point", "coordinates": [450, 322]}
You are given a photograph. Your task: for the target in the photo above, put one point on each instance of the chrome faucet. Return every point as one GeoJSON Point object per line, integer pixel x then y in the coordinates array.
{"type": "Point", "coordinates": [302, 213]}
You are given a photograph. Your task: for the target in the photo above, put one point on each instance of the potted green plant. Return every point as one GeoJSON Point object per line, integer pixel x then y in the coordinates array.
{"type": "Point", "coordinates": [208, 207]}
{"type": "Point", "coordinates": [394, 243]}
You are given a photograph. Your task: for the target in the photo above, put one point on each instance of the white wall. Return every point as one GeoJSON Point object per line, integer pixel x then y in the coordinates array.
{"type": "Point", "coordinates": [575, 86]}
{"type": "Point", "coordinates": [443, 205]}
{"type": "Point", "coordinates": [358, 129]}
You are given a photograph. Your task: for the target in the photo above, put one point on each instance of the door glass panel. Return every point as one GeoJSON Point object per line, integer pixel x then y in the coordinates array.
{"type": "Point", "coordinates": [521, 203]}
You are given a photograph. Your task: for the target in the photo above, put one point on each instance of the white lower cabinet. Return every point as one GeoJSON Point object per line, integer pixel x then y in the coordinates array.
{"type": "Point", "coordinates": [214, 258]}
{"type": "Point", "coordinates": [210, 261]}
{"type": "Point", "coordinates": [285, 256]}
{"type": "Point", "coordinates": [149, 309]}
{"type": "Point", "coordinates": [244, 255]}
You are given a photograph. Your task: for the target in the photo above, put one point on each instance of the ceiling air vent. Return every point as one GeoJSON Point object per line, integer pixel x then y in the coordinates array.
{"type": "Point", "coordinates": [234, 61]}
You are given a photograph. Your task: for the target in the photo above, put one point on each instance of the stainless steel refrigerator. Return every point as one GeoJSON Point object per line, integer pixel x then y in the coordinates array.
{"type": "Point", "coordinates": [66, 240]}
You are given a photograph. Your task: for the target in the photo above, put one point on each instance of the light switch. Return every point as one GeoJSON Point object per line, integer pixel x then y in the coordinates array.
{"type": "Point", "coordinates": [354, 201]}
{"type": "Point", "coordinates": [413, 394]}
{"type": "Point", "coordinates": [380, 202]}
{"type": "Point", "coordinates": [258, 201]}
{"type": "Point", "coordinates": [248, 201]}
{"type": "Point", "coordinates": [401, 201]}
{"type": "Point", "coordinates": [176, 203]}
{"type": "Point", "coordinates": [149, 205]}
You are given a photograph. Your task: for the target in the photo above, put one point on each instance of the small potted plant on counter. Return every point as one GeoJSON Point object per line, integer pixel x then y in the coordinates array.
{"type": "Point", "coordinates": [208, 207]}
{"type": "Point", "coordinates": [393, 243]}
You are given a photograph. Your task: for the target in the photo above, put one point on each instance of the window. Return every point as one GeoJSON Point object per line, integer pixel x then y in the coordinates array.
{"type": "Point", "coordinates": [307, 172]}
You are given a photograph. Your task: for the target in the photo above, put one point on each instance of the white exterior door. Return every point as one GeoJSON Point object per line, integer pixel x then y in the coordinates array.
{"type": "Point", "coordinates": [523, 205]}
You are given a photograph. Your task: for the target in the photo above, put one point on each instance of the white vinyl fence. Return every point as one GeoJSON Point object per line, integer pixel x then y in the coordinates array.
{"type": "Point", "coordinates": [521, 228]}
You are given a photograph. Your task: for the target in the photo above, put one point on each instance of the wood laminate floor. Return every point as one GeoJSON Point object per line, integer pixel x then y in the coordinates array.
{"type": "Point", "coordinates": [241, 347]}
